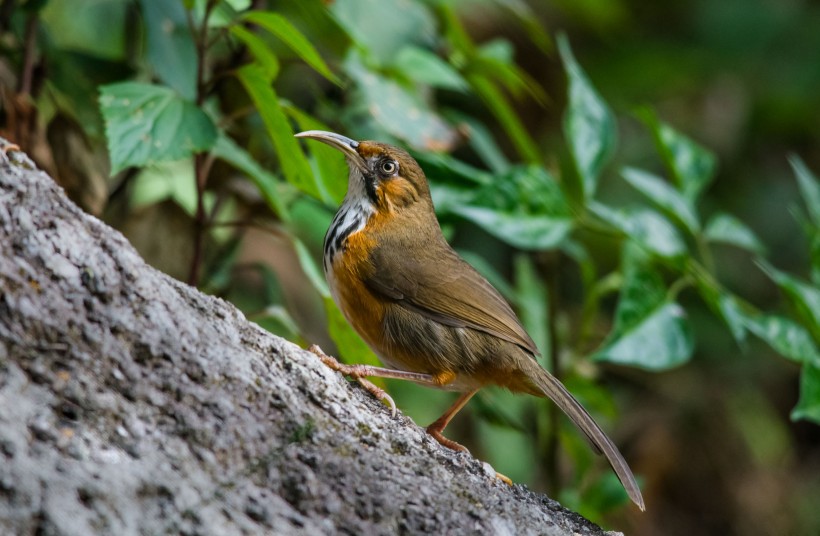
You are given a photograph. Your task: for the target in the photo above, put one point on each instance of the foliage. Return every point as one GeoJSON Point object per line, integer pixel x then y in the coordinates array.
{"type": "Point", "coordinates": [241, 81]}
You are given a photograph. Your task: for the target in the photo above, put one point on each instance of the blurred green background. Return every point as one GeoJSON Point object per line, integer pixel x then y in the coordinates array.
{"type": "Point", "coordinates": [678, 299]}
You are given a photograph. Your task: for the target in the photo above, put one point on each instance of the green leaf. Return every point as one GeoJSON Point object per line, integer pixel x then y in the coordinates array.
{"type": "Point", "coordinates": [589, 126]}
{"type": "Point", "coordinates": [260, 50]}
{"type": "Point", "coordinates": [291, 158]}
{"type": "Point", "coordinates": [810, 191]}
{"type": "Point", "coordinates": [785, 336]}
{"type": "Point", "coordinates": [168, 180]}
{"type": "Point", "coordinates": [495, 60]}
{"type": "Point", "coordinates": [447, 198]}
{"type": "Point", "coordinates": [663, 195]}
{"type": "Point", "coordinates": [692, 166]}
{"type": "Point", "coordinates": [804, 297]}
{"type": "Point", "coordinates": [723, 304]}
{"type": "Point", "coordinates": [530, 232]}
{"type": "Point", "coordinates": [730, 310]}
{"type": "Point", "coordinates": [646, 227]}
{"type": "Point", "coordinates": [400, 112]}
{"type": "Point", "coordinates": [656, 233]}
{"type": "Point", "coordinates": [293, 38]}
{"type": "Point", "coordinates": [99, 31]}
{"type": "Point", "coordinates": [808, 406]}
{"type": "Point", "coordinates": [382, 28]}
{"type": "Point", "coordinates": [727, 229]}
{"type": "Point", "coordinates": [524, 207]}
{"type": "Point", "coordinates": [535, 29]}
{"type": "Point", "coordinates": [649, 331]}
{"type": "Point", "coordinates": [500, 50]}
{"type": "Point", "coordinates": [662, 340]}
{"type": "Point", "coordinates": [809, 187]}
{"type": "Point", "coordinates": [225, 13]}
{"type": "Point", "coordinates": [503, 111]}
{"type": "Point", "coordinates": [170, 46]}
{"type": "Point", "coordinates": [238, 5]}
{"type": "Point", "coordinates": [270, 188]}
{"type": "Point", "coordinates": [311, 268]}
{"type": "Point", "coordinates": [642, 290]}
{"type": "Point", "coordinates": [446, 168]}
{"type": "Point", "coordinates": [527, 190]}
{"type": "Point", "coordinates": [483, 143]}
{"type": "Point", "coordinates": [423, 66]}
{"type": "Point", "coordinates": [487, 89]}
{"type": "Point", "coordinates": [145, 124]}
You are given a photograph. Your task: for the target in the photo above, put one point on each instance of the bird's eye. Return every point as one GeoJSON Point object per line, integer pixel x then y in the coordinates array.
{"type": "Point", "coordinates": [388, 167]}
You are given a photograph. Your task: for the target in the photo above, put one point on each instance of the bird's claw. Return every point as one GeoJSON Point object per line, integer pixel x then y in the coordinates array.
{"type": "Point", "coordinates": [11, 147]}
{"type": "Point", "coordinates": [378, 392]}
{"type": "Point", "coordinates": [356, 372]}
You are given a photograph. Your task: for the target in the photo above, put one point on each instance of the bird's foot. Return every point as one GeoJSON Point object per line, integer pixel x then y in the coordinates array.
{"type": "Point", "coordinates": [357, 372]}
{"type": "Point", "coordinates": [449, 443]}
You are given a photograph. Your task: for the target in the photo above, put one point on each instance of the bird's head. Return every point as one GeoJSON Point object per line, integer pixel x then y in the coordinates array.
{"type": "Point", "coordinates": [385, 176]}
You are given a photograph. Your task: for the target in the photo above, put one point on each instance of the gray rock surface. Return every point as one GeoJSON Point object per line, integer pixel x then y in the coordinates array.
{"type": "Point", "coordinates": [131, 403]}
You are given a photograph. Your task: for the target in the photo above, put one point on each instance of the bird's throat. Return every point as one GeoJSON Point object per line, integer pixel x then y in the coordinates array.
{"type": "Point", "coordinates": [351, 218]}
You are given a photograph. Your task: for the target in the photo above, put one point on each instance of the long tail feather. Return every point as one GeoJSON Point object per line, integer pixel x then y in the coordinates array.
{"type": "Point", "coordinates": [599, 441]}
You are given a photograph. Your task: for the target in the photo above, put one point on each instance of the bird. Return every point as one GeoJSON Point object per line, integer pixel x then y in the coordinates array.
{"type": "Point", "coordinates": [429, 316]}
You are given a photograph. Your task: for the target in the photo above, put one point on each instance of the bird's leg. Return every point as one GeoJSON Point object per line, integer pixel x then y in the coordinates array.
{"type": "Point", "coordinates": [360, 372]}
{"type": "Point", "coordinates": [441, 423]}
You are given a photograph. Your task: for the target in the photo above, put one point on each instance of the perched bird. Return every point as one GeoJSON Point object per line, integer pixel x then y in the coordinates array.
{"type": "Point", "coordinates": [428, 315]}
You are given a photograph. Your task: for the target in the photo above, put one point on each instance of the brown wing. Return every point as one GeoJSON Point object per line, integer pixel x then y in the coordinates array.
{"type": "Point", "coordinates": [439, 284]}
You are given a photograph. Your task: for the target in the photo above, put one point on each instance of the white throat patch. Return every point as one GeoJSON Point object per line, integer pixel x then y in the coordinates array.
{"type": "Point", "coordinates": [350, 218]}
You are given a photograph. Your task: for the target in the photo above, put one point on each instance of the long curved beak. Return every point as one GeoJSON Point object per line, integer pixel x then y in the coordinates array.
{"type": "Point", "coordinates": [337, 141]}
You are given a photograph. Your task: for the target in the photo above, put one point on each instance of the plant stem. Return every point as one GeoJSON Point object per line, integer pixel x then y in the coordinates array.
{"type": "Point", "coordinates": [705, 253]}
{"type": "Point", "coordinates": [202, 162]}
{"type": "Point", "coordinates": [30, 42]}
{"type": "Point", "coordinates": [202, 166]}
{"type": "Point", "coordinates": [607, 284]}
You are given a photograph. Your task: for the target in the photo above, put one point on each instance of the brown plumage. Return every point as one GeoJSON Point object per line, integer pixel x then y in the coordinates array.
{"type": "Point", "coordinates": [428, 315]}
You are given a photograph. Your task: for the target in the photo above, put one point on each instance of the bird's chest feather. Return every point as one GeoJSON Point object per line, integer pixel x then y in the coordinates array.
{"type": "Point", "coordinates": [346, 272]}
{"type": "Point", "coordinates": [347, 265]}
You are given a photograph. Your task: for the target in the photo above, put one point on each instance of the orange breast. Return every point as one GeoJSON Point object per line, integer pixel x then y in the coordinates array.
{"type": "Point", "coordinates": [363, 310]}
{"type": "Point", "coordinates": [366, 312]}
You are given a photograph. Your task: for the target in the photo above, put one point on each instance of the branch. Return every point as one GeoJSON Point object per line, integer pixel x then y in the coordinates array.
{"type": "Point", "coordinates": [134, 404]}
